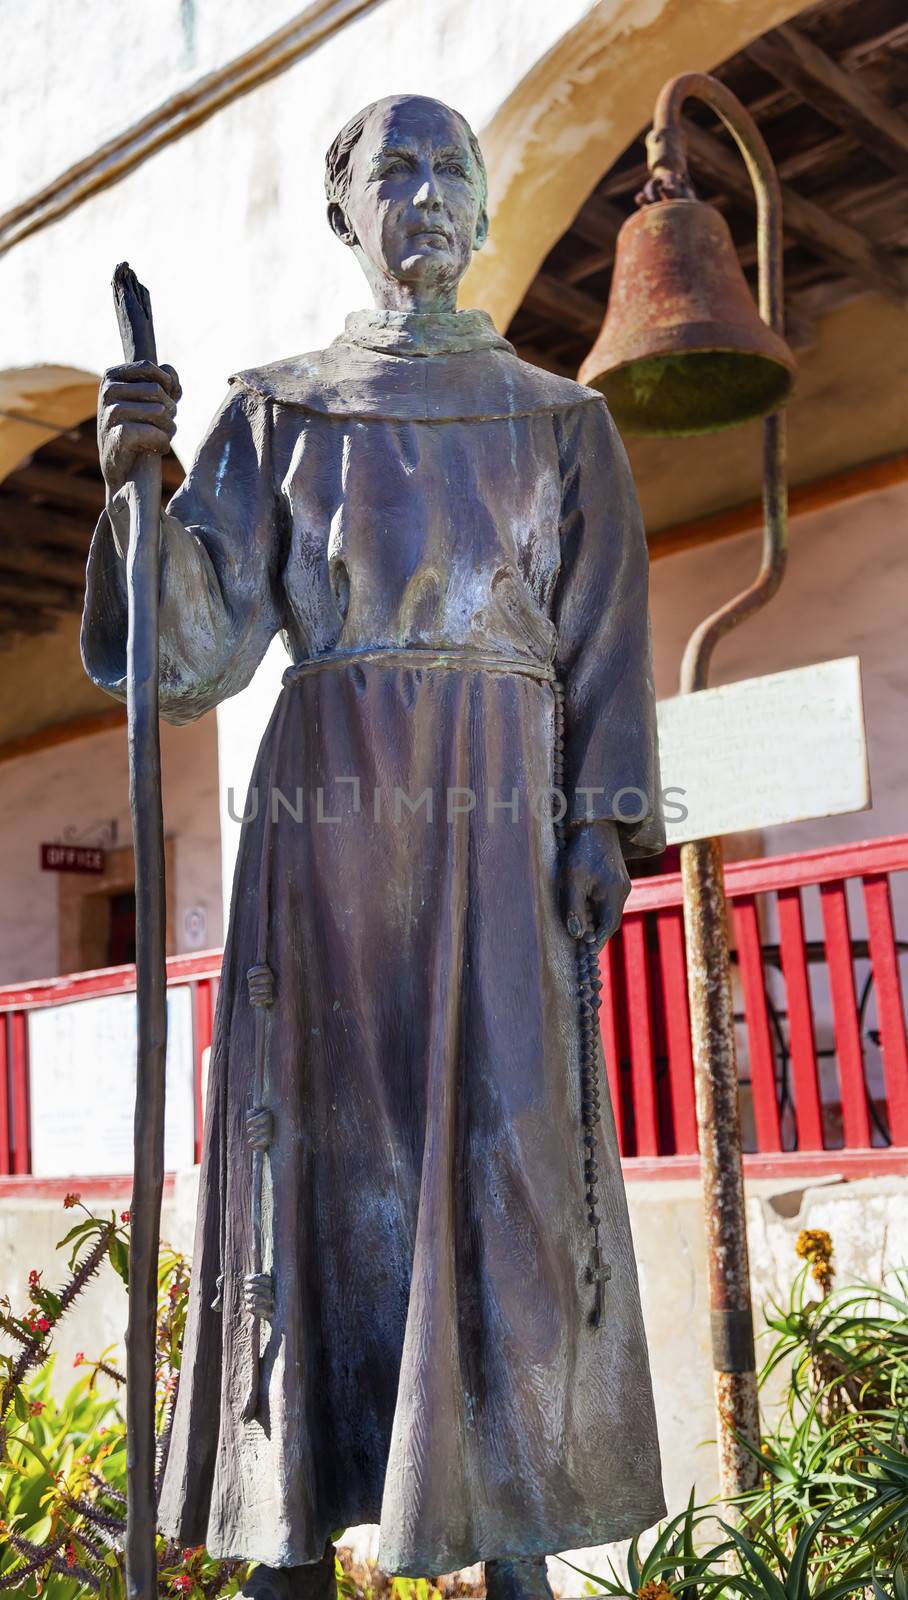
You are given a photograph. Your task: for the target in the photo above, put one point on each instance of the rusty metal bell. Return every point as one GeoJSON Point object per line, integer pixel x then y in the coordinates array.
{"type": "Point", "coordinates": [683, 349]}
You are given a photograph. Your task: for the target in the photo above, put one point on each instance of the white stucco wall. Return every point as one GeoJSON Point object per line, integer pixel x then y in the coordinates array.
{"type": "Point", "coordinates": [232, 238]}
{"type": "Point", "coordinates": [82, 786]}
{"type": "Point", "coordinates": [66, 65]}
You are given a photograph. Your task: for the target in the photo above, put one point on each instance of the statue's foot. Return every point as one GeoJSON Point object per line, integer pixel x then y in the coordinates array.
{"type": "Point", "coordinates": [523, 1579]}
{"type": "Point", "coordinates": [315, 1581]}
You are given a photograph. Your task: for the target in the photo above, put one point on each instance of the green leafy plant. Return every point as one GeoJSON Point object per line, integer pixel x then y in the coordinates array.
{"type": "Point", "coordinates": [836, 1460]}
{"type": "Point", "coordinates": [63, 1464]}
{"type": "Point", "coordinates": [673, 1565]}
{"type": "Point", "coordinates": [828, 1516]}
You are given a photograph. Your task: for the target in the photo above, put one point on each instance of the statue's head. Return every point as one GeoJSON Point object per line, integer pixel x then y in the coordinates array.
{"type": "Point", "coordinates": [406, 187]}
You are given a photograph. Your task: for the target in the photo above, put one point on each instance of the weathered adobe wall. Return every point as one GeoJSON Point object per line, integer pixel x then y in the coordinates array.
{"type": "Point", "coordinates": [83, 785]}
{"type": "Point", "coordinates": [843, 594]}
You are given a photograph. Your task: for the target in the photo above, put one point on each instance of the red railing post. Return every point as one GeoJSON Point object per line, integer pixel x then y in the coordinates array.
{"type": "Point", "coordinates": [762, 1058]}
{"type": "Point", "coordinates": [640, 1028]}
{"type": "Point", "coordinates": [5, 1151]}
{"type": "Point", "coordinates": [611, 1002]}
{"type": "Point", "coordinates": [201, 1035]}
{"type": "Point", "coordinates": [890, 1009]}
{"type": "Point", "coordinates": [21, 1130]}
{"type": "Point", "coordinates": [855, 1115]}
{"type": "Point", "coordinates": [874, 861]}
{"type": "Point", "coordinates": [673, 967]}
{"type": "Point", "coordinates": [808, 1113]}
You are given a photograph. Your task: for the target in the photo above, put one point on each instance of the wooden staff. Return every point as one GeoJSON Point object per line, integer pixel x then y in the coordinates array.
{"type": "Point", "coordinates": [142, 577]}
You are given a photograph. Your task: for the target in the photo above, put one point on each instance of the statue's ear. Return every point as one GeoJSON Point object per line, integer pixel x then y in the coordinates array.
{"type": "Point", "coordinates": [481, 231]}
{"type": "Point", "coordinates": [340, 224]}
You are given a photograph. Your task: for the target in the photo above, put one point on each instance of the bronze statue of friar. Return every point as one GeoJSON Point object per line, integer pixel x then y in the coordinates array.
{"type": "Point", "coordinates": [414, 1298]}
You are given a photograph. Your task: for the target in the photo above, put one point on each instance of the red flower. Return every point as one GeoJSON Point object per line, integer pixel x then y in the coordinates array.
{"type": "Point", "coordinates": [124, 1216]}
{"type": "Point", "coordinates": [34, 1278]}
{"type": "Point", "coordinates": [43, 1324]}
{"type": "Point", "coordinates": [183, 1582]}
{"type": "Point", "coordinates": [71, 1200]}
{"type": "Point", "coordinates": [79, 1359]}
{"type": "Point", "coordinates": [174, 1292]}
{"type": "Point", "coordinates": [36, 1407]}
{"type": "Point", "coordinates": [70, 1554]}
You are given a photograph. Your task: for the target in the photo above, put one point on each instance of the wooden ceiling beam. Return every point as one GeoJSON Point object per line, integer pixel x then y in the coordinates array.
{"type": "Point", "coordinates": [562, 304]}
{"type": "Point", "coordinates": [795, 61]}
{"type": "Point", "coordinates": [37, 563]}
{"type": "Point", "coordinates": [21, 519]}
{"type": "Point", "coordinates": [81, 451]}
{"type": "Point", "coordinates": [63, 488]}
{"type": "Point", "coordinates": [33, 592]}
{"type": "Point", "coordinates": [890, 39]}
{"type": "Point", "coordinates": [73, 446]}
{"type": "Point", "coordinates": [615, 183]}
{"type": "Point", "coordinates": [588, 266]}
{"type": "Point", "coordinates": [13, 620]}
{"type": "Point", "coordinates": [815, 156]}
{"type": "Point", "coordinates": [836, 242]}
{"type": "Point", "coordinates": [598, 222]}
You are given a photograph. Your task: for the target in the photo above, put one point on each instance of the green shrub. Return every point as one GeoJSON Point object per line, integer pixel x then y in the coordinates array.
{"type": "Point", "coordinates": [829, 1514]}
{"type": "Point", "coordinates": [63, 1466]}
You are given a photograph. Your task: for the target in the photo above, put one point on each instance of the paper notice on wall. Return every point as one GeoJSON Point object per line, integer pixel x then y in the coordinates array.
{"type": "Point", "coordinates": [787, 747]}
{"type": "Point", "coordinates": [82, 1085]}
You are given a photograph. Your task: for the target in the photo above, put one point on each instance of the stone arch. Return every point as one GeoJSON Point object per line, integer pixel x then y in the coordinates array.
{"type": "Point", "coordinates": [571, 116]}
{"type": "Point", "coordinates": [51, 493]}
{"type": "Point", "coordinates": [36, 403]}
{"type": "Point", "coordinates": [42, 678]}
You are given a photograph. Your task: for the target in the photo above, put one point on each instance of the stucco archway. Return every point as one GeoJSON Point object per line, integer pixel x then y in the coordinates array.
{"type": "Point", "coordinates": [36, 403]}
{"type": "Point", "coordinates": [569, 118]}
{"type": "Point", "coordinates": [51, 492]}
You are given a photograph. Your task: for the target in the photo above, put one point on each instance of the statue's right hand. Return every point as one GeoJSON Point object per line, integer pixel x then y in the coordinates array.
{"type": "Point", "coordinates": [137, 406]}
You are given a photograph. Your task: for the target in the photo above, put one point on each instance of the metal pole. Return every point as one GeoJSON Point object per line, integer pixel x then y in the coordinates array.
{"type": "Point", "coordinates": [705, 911]}
{"type": "Point", "coordinates": [142, 579]}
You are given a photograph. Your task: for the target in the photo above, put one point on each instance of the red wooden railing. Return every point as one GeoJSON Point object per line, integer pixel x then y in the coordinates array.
{"type": "Point", "coordinates": [797, 1098]}
{"type": "Point", "coordinates": [200, 972]}
{"type": "Point", "coordinates": [815, 953]}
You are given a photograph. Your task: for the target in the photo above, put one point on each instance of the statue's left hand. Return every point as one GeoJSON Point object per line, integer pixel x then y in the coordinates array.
{"type": "Point", "coordinates": [594, 880]}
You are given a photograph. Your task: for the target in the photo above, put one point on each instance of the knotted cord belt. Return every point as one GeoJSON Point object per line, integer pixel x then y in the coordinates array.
{"type": "Point", "coordinates": [258, 1284]}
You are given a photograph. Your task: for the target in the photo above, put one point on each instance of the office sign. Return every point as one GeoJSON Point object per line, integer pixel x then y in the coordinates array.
{"type": "Point", "coordinates": [72, 858]}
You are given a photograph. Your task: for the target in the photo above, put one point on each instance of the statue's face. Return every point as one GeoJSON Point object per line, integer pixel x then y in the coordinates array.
{"type": "Point", "coordinates": [414, 210]}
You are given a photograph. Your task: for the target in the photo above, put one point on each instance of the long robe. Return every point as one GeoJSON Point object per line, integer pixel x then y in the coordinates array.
{"type": "Point", "coordinates": [448, 539]}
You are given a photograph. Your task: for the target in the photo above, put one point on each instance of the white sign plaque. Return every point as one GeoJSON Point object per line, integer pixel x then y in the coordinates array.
{"type": "Point", "coordinates": [786, 747]}
{"type": "Point", "coordinates": [82, 1085]}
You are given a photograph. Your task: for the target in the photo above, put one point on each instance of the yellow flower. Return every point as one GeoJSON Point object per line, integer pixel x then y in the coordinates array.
{"type": "Point", "coordinates": [815, 1245]}
{"type": "Point", "coordinates": [655, 1589]}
